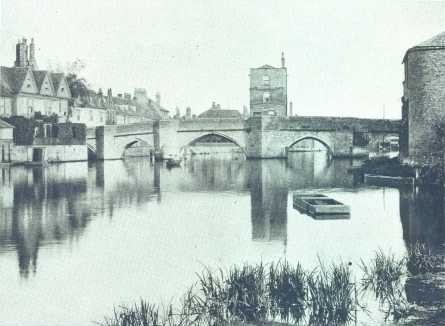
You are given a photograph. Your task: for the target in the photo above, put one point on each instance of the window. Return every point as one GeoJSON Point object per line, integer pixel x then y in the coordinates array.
{"type": "Point", "coordinates": [266, 97]}
{"type": "Point", "coordinates": [266, 80]}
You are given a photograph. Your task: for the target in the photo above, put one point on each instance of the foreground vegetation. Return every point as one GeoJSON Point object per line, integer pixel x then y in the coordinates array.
{"type": "Point", "coordinates": [284, 293]}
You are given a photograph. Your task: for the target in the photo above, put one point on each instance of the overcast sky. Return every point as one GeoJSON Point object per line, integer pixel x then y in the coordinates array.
{"type": "Point", "coordinates": [343, 57]}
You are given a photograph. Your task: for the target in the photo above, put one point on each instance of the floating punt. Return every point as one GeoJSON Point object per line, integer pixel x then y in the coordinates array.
{"type": "Point", "coordinates": [300, 200]}
{"type": "Point", "coordinates": [382, 180]}
{"type": "Point", "coordinates": [320, 206]}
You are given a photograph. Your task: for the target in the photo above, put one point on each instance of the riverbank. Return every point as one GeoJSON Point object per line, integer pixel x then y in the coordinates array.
{"type": "Point", "coordinates": [285, 294]}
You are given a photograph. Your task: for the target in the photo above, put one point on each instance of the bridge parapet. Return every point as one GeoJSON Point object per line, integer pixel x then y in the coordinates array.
{"type": "Point", "coordinates": [211, 124]}
{"type": "Point", "coordinates": [146, 126]}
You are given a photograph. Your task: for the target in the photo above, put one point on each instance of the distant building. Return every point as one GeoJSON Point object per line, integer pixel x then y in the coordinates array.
{"type": "Point", "coordinates": [141, 97]}
{"type": "Point", "coordinates": [218, 113]}
{"type": "Point", "coordinates": [89, 108]}
{"type": "Point", "coordinates": [25, 91]}
{"type": "Point", "coordinates": [268, 90]}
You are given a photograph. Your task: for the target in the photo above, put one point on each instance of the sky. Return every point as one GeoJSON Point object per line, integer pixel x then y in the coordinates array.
{"type": "Point", "coordinates": [344, 58]}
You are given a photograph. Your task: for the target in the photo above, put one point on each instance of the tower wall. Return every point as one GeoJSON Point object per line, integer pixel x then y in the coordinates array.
{"type": "Point", "coordinates": [268, 83]}
{"type": "Point", "coordinates": [424, 104]}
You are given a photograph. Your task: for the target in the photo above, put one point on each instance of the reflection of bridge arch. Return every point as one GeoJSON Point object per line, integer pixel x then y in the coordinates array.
{"type": "Point", "coordinates": [321, 141]}
{"type": "Point", "coordinates": [213, 133]}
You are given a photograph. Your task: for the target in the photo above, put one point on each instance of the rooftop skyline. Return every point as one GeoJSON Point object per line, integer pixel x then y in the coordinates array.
{"type": "Point", "coordinates": [342, 59]}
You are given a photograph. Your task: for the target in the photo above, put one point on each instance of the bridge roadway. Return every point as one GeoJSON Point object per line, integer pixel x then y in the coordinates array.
{"type": "Point", "coordinates": [258, 137]}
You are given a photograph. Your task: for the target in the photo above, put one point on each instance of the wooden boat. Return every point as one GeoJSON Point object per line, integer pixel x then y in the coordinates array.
{"type": "Point", "coordinates": [172, 163]}
{"type": "Point", "coordinates": [319, 205]}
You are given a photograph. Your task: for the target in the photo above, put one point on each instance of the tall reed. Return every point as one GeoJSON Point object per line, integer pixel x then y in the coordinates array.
{"type": "Point", "coordinates": [288, 291]}
{"type": "Point", "coordinates": [332, 299]}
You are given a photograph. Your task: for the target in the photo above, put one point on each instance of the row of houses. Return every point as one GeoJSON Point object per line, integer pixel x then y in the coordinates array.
{"type": "Point", "coordinates": [26, 91]}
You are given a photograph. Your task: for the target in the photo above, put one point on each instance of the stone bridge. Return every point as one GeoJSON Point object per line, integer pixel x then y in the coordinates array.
{"type": "Point", "coordinates": [110, 142]}
{"type": "Point", "coordinates": [257, 137]}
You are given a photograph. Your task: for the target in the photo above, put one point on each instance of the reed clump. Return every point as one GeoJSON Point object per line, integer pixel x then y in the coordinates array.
{"type": "Point", "coordinates": [288, 291]}
{"type": "Point", "coordinates": [421, 260]}
{"type": "Point", "coordinates": [332, 299]}
{"type": "Point", "coordinates": [253, 294]}
{"type": "Point", "coordinates": [384, 277]}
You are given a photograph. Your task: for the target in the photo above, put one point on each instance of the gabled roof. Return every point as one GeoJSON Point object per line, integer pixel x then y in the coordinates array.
{"type": "Point", "coordinates": [12, 79]}
{"type": "Point", "coordinates": [39, 76]}
{"type": "Point", "coordinates": [56, 78]}
{"type": "Point", "coordinates": [4, 124]}
{"type": "Point", "coordinates": [220, 114]}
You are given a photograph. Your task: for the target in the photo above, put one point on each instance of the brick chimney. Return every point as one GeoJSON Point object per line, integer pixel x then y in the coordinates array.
{"type": "Point", "coordinates": [21, 53]}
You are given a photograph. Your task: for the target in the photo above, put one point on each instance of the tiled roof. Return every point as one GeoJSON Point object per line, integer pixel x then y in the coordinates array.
{"type": "Point", "coordinates": [4, 124]}
{"type": "Point", "coordinates": [267, 67]}
{"type": "Point", "coordinates": [39, 76]}
{"type": "Point", "coordinates": [12, 79]}
{"type": "Point", "coordinates": [56, 78]}
{"type": "Point", "coordinates": [220, 114]}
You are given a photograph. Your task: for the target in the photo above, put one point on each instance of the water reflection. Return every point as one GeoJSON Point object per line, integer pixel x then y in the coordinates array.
{"type": "Point", "coordinates": [423, 221]}
{"type": "Point", "coordinates": [422, 215]}
{"type": "Point", "coordinates": [128, 226]}
{"type": "Point", "coordinates": [42, 206]}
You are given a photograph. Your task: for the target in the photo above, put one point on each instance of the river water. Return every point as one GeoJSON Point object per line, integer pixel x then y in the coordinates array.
{"type": "Point", "coordinates": [77, 239]}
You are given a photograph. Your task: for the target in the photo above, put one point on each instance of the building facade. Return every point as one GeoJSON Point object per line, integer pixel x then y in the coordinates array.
{"type": "Point", "coordinates": [422, 138]}
{"type": "Point", "coordinates": [268, 90]}
{"type": "Point", "coordinates": [26, 91]}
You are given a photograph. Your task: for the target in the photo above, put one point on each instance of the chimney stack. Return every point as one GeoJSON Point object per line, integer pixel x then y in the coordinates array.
{"type": "Point", "coordinates": [188, 113]}
{"type": "Point", "coordinates": [21, 54]}
{"type": "Point", "coordinates": [291, 110]}
{"type": "Point", "coordinates": [283, 61]}
{"type": "Point", "coordinates": [32, 55]}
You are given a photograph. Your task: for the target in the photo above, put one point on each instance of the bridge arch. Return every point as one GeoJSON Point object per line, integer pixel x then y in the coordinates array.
{"type": "Point", "coordinates": [213, 133]}
{"type": "Point", "coordinates": [130, 143]}
{"type": "Point", "coordinates": [321, 141]}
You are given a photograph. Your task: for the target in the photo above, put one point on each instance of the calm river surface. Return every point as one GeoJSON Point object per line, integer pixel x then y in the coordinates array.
{"type": "Point", "coordinates": [77, 239]}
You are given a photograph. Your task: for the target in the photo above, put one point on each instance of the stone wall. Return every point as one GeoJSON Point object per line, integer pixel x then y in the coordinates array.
{"type": "Point", "coordinates": [425, 97]}
{"type": "Point", "coordinates": [52, 154]}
